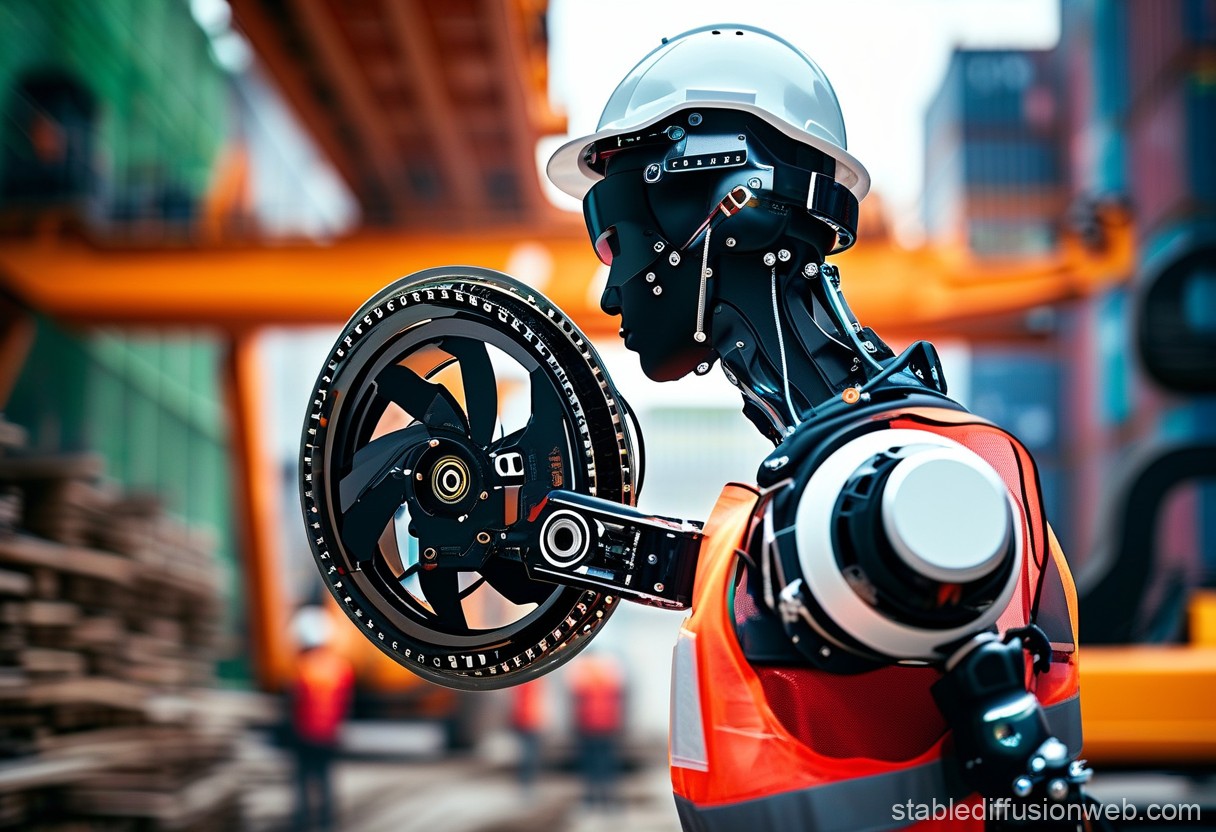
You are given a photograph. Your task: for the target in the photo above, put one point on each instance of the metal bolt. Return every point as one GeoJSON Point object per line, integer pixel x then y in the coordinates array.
{"type": "Point", "coordinates": [675, 132]}
{"type": "Point", "coordinates": [702, 368]}
{"type": "Point", "coordinates": [754, 182]}
{"type": "Point", "coordinates": [810, 269]}
{"type": "Point", "coordinates": [770, 259]}
{"type": "Point", "coordinates": [483, 538]}
{"type": "Point", "coordinates": [739, 345]}
{"type": "Point", "coordinates": [1022, 786]}
{"type": "Point", "coordinates": [776, 464]}
{"type": "Point", "coordinates": [418, 476]}
{"type": "Point", "coordinates": [658, 290]}
{"type": "Point", "coordinates": [825, 651]}
{"type": "Point", "coordinates": [694, 119]}
{"type": "Point", "coordinates": [709, 272]}
{"type": "Point", "coordinates": [1057, 789]}
{"type": "Point", "coordinates": [1054, 751]}
{"type": "Point", "coordinates": [650, 277]}
{"type": "Point", "coordinates": [658, 587]}
{"type": "Point", "coordinates": [652, 174]}
{"type": "Point", "coordinates": [1037, 764]}
{"type": "Point", "coordinates": [699, 337]}
{"type": "Point", "coordinates": [674, 258]}
{"type": "Point", "coordinates": [660, 245]}
{"type": "Point", "coordinates": [483, 495]}
{"type": "Point", "coordinates": [730, 242]}
{"type": "Point", "coordinates": [428, 554]}
{"type": "Point", "coordinates": [652, 559]}
{"type": "Point", "coordinates": [783, 255]}
{"type": "Point", "coordinates": [433, 443]}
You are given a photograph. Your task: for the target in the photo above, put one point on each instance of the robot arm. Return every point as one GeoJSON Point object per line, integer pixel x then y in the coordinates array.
{"type": "Point", "coordinates": [588, 542]}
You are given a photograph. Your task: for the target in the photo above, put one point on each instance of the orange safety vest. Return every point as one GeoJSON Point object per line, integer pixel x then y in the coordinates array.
{"type": "Point", "coordinates": [796, 748]}
{"type": "Point", "coordinates": [599, 691]}
{"type": "Point", "coordinates": [528, 706]}
{"type": "Point", "coordinates": [324, 687]}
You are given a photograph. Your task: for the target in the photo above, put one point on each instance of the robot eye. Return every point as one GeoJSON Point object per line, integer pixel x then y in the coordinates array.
{"type": "Point", "coordinates": [606, 246]}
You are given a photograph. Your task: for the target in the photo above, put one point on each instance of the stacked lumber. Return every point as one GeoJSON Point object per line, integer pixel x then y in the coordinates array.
{"type": "Point", "coordinates": [108, 627]}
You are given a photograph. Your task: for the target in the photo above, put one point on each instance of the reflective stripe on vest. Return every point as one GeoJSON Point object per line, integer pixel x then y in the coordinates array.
{"type": "Point", "coordinates": [865, 803]}
{"type": "Point", "coordinates": [687, 731]}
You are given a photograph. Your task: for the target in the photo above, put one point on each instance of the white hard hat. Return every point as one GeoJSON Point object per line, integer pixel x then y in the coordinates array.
{"type": "Point", "coordinates": [312, 627]}
{"type": "Point", "coordinates": [720, 67]}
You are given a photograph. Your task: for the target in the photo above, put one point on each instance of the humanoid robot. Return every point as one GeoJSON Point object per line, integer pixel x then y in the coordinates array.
{"type": "Point", "coordinates": [884, 622]}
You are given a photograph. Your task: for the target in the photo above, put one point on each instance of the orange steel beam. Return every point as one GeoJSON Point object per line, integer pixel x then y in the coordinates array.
{"type": "Point", "coordinates": [321, 28]}
{"type": "Point", "coordinates": [241, 286]}
{"type": "Point", "coordinates": [256, 504]}
{"type": "Point", "coordinates": [285, 70]}
{"type": "Point", "coordinates": [1149, 704]}
{"type": "Point", "coordinates": [508, 42]}
{"type": "Point", "coordinates": [412, 34]}
{"type": "Point", "coordinates": [902, 293]}
{"type": "Point", "coordinates": [17, 331]}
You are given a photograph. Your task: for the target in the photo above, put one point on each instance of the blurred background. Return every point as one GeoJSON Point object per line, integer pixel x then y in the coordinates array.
{"type": "Point", "coordinates": [194, 195]}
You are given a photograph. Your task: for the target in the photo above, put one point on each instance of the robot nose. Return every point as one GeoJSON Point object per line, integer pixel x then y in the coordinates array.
{"type": "Point", "coordinates": [610, 301]}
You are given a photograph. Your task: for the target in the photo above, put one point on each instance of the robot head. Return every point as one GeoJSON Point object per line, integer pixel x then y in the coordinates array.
{"type": "Point", "coordinates": [724, 140]}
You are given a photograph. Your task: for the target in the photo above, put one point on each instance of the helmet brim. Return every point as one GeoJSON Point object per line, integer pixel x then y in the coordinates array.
{"type": "Point", "coordinates": [568, 169]}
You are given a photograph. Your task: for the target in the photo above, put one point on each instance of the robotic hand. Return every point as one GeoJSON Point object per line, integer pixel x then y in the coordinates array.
{"type": "Point", "coordinates": [1001, 735]}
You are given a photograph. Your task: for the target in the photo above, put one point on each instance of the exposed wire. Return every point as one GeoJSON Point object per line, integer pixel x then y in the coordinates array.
{"type": "Point", "coordinates": [781, 349]}
{"type": "Point", "coordinates": [842, 317]}
{"type": "Point", "coordinates": [699, 335]}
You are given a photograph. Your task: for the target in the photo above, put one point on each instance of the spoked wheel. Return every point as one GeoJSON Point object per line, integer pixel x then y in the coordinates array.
{"type": "Point", "coordinates": [453, 402]}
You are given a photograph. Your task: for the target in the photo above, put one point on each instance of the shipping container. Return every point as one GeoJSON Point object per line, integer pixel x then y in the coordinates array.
{"type": "Point", "coordinates": [995, 89]}
{"type": "Point", "coordinates": [1074, 66]}
{"type": "Point", "coordinates": [993, 152]}
{"type": "Point", "coordinates": [1171, 145]}
{"type": "Point", "coordinates": [1201, 138]}
{"type": "Point", "coordinates": [1169, 37]}
{"type": "Point", "coordinates": [1010, 163]}
{"type": "Point", "coordinates": [1158, 159]}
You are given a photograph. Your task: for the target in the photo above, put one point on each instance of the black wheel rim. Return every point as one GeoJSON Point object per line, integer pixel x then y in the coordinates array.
{"type": "Point", "coordinates": [405, 465]}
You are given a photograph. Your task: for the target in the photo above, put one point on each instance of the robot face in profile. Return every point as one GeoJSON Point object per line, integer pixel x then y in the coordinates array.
{"type": "Point", "coordinates": [653, 286]}
{"type": "Point", "coordinates": [651, 219]}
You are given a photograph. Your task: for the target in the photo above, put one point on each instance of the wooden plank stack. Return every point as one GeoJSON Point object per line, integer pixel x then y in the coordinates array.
{"type": "Point", "coordinates": [108, 627]}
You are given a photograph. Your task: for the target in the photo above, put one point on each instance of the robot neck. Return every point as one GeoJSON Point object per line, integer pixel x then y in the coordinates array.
{"type": "Point", "coordinates": [786, 337]}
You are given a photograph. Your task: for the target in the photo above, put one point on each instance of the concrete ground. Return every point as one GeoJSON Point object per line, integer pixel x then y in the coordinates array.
{"type": "Point", "coordinates": [425, 790]}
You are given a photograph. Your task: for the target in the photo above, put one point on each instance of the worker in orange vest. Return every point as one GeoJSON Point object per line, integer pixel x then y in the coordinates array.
{"type": "Point", "coordinates": [597, 686]}
{"type": "Point", "coordinates": [883, 628]}
{"type": "Point", "coordinates": [321, 692]}
{"type": "Point", "coordinates": [528, 716]}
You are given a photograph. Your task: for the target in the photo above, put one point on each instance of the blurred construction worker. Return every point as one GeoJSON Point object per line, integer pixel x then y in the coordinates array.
{"type": "Point", "coordinates": [321, 692]}
{"type": "Point", "coordinates": [597, 687]}
{"type": "Point", "coordinates": [528, 721]}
